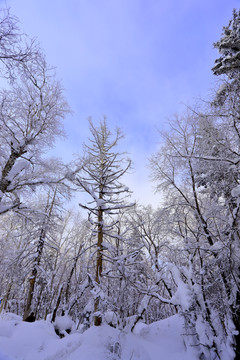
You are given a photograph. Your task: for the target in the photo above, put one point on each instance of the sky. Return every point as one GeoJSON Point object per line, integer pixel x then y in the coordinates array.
{"type": "Point", "coordinates": [137, 62]}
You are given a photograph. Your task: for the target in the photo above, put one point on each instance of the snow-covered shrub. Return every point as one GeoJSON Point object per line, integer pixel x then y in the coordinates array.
{"type": "Point", "coordinates": [110, 318]}
{"type": "Point", "coordinates": [63, 325]}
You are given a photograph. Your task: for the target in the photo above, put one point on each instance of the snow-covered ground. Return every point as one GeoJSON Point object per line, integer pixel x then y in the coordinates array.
{"type": "Point", "coordinates": [161, 340]}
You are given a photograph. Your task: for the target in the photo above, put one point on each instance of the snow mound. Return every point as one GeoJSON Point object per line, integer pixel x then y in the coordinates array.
{"type": "Point", "coordinates": [64, 325]}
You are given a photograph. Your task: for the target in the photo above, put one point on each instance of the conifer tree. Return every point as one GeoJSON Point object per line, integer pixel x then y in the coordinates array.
{"type": "Point", "coordinates": [100, 178]}
{"type": "Point", "coordinates": [227, 103]}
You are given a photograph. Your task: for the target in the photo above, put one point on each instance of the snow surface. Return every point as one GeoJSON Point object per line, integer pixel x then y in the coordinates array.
{"type": "Point", "coordinates": [161, 340]}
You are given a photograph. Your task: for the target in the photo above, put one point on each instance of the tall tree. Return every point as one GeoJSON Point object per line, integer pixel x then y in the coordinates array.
{"type": "Point", "coordinates": [32, 107]}
{"type": "Point", "coordinates": [227, 106]}
{"type": "Point", "coordinates": [100, 178]}
{"type": "Point", "coordinates": [188, 167]}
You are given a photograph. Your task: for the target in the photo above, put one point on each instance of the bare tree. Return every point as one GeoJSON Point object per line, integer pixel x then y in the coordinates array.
{"type": "Point", "coordinates": [30, 119]}
{"type": "Point", "coordinates": [193, 169]}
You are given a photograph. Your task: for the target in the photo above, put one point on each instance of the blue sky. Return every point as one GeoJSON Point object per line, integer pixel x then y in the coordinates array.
{"type": "Point", "coordinates": [134, 61]}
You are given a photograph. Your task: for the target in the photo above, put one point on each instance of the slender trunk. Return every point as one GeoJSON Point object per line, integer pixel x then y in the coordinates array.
{"type": "Point", "coordinates": [71, 274]}
{"type": "Point", "coordinates": [40, 247]}
{"type": "Point", "coordinates": [99, 264]}
{"type": "Point", "coordinates": [40, 300]}
{"type": "Point", "coordinates": [236, 319]}
{"type": "Point", "coordinates": [34, 274]}
{"type": "Point", "coordinates": [57, 305]}
{"type": "Point", "coordinates": [5, 298]}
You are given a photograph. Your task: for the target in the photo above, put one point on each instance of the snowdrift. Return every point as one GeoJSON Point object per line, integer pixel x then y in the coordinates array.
{"type": "Point", "coordinates": [161, 340]}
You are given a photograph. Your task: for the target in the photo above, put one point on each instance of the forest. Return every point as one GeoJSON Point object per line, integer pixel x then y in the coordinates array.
{"type": "Point", "coordinates": [112, 261]}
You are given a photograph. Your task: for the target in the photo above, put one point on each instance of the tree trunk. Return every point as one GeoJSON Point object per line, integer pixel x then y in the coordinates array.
{"type": "Point", "coordinates": [40, 247]}
{"type": "Point", "coordinates": [5, 298]}
{"type": "Point", "coordinates": [34, 275]}
{"type": "Point", "coordinates": [97, 318]}
{"type": "Point", "coordinates": [57, 305]}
